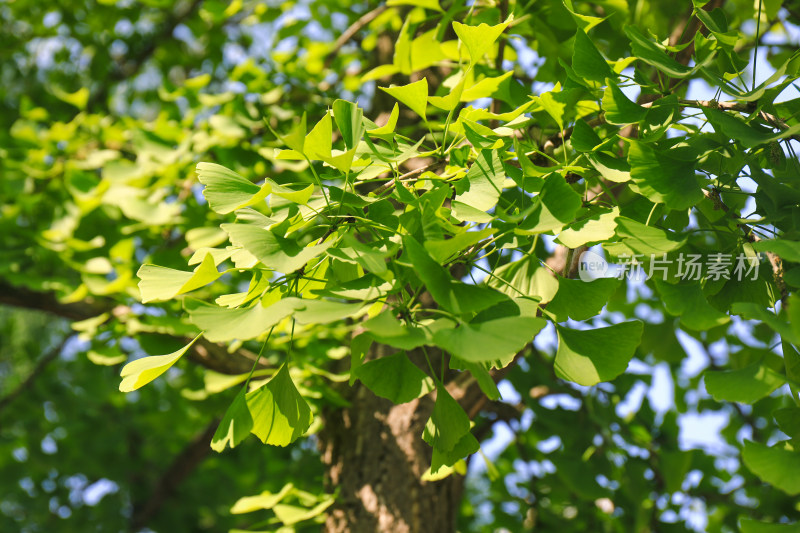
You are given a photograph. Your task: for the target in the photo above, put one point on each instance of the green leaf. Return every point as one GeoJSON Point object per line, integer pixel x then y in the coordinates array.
{"type": "Point", "coordinates": [647, 239]}
{"type": "Point", "coordinates": [611, 168]}
{"type": "Point", "coordinates": [235, 425]}
{"type": "Point", "coordinates": [552, 102]}
{"type": "Point", "coordinates": [753, 311]}
{"type": "Point", "coordinates": [280, 414]}
{"type": "Point", "coordinates": [786, 250]}
{"type": "Point", "coordinates": [414, 95]}
{"type": "Point", "coordinates": [588, 357]}
{"type": "Point", "coordinates": [775, 465]}
{"type": "Point", "coordinates": [746, 385]}
{"type": "Point", "coordinates": [386, 329]}
{"type": "Point", "coordinates": [489, 341]}
{"type": "Point", "coordinates": [596, 228]}
{"type": "Point", "coordinates": [747, 525]}
{"type": "Point", "coordinates": [553, 208]}
{"type": "Point", "coordinates": [227, 191]}
{"type": "Point", "coordinates": [395, 378]}
{"type": "Point", "coordinates": [448, 423]}
{"type": "Point", "coordinates": [273, 251]}
{"type": "Point", "coordinates": [788, 419]}
{"type": "Point", "coordinates": [390, 124]}
{"type": "Point", "coordinates": [296, 139]}
{"type": "Point", "coordinates": [324, 311]}
{"type": "Point", "coordinates": [587, 61]}
{"type": "Point", "coordinates": [222, 324]}
{"type": "Point", "coordinates": [350, 121]}
{"type": "Point", "coordinates": [466, 445]}
{"type": "Point", "coordinates": [452, 295]}
{"type": "Point", "coordinates": [583, 137]}
{"type": "Point", "coordinates": [687, 301]}
{"type": "Point", "coordinates": [479, 39]}
{"type": "Point", "coordinates": [139, 373]}
{"type": "Point", "coordinates": [318, 144]}
{"type": "Point", "coordinates": [265, 500]}
{"type": "Point", "coordinates": [525, 277]}
{"type": "Point", "coordinates": [427, 4]}
{"type": "Point", "coordinates": [661, 115]}
{"type": "Point", "coordinates": [580, 300]}
{"type": "Point", "coordinates": [662, 178]}
{"type": "Point", "coordinates": [650, 53]}
{"type": "Point", "coordinates": [619, 110]}
{"type": "Point", "coordinates": [79, 98]}
{"type": "Point", "coordinates": [292, 514]}
{"type": "Point", "coordinates": [750, 136]}
{"type": "Point", "coordinates": [481, 374]}
{"type": "Point", "coordinates": [482, 186]}
{"type": "Point", "coordinates": [161, 283]}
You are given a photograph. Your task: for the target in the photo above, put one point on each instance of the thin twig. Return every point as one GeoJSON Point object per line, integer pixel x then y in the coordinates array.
{"type": "Point", "coordinates": [348, 34]}
{"type": "Point", "coordinates": [35, 373]}
{"type": "Point", "coordinates": [774, 259]}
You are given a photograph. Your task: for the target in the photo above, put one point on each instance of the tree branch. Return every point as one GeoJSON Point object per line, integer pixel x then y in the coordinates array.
{"type": "Point", "coordinates": [208, 354]}
{"type": "Point", "coordinates": [774, 259]}
{"type": "Point", "coordinates": [133, 67]}
{"type": "Point", "coordinates": [167, 484]}
{"type": "Point", "coordinates": [35, 373]}
{"type": "Point", "coordinates": [350, 32]}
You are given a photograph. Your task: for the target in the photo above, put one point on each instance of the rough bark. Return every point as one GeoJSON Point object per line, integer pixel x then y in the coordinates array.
{"type": "Point", "coordinates": [375, 457]}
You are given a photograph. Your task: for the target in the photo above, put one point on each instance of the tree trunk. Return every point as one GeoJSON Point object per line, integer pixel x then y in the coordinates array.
{"type": "Point", "coordinates": [375, 457]}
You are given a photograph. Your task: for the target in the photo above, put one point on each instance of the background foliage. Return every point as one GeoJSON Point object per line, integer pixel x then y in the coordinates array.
{"type": "Point", "coordinates": [518, 135]}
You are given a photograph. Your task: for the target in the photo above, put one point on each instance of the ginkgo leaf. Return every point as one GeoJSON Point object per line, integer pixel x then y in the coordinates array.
{"type": "Point", "coordinates": [390, 124]}
{"type": "Point", "coordinates": [479, 39]}
{"type": "Point", "coordinates": [580, 300]}
{"type": "Point", "coordinates": [688, 301]}
{"type": "Point", "coordinates": [292, 514]}
{"type": "Point", "coordinates": [650, 53]}
{"type": "Point", "coordinates": [489, 341]}
{"type": "Point", "coordinates": [224, 324]}
{"type": "Point", "coordinates": [553, 208]}
{"type": "Point", "coordinates": [482, 185]}
{"type": "Point", "coordinates": [414, 95]}
{"type": "Point", "coordinates": [235, 425]}
{"type": "Point", "coordinates": [139, 373]}
{"type": "Point", "coordinates": [386, 329]}
{"type": "Point", "coordinates": [280, 414]}
{"type": "Point", "coordinates": [319, 143]}
{"type": "Point", "coordinates": [645, 239]}
{"type": "Point", "coordinates": [775, 465]}
{"type": "Point", "coordinates": [395, 378]}
{"type": "Point", "coordinates": [746, 385]}
{"type": "Point", "coordinates": [265, 500]}
{"type": "Point", "coordinates": [596, 228]}
{"type": "Point", "coordinates": [453, 295]}
{"type": "Point", "coordinates": [663, 177]}
{"type": "Point", "coordinates": [584, 138]}
{"type": "Point", "coordinates": [466, 445]}
{"type": "Point", "coordinates": [226, 190]}
{"type": "Point", "coordinates": [350, 121]}
{"type": "Point", "coordinates": [272, 250]}
{"type": "Point", "coordinates": [590, 356]}
{"type": "Point", "coordinates": [619, 109]}
{"type": "Point", "coordinates": [587, 60]}
{"type": "Point", "coordinates": [786, 249]}
{"type": "Point", "coordinates": [161, 283]}
{"type": "Point", "coordinates": [448, 423]}
{"type": "Point", "coordinates": [428, 4]}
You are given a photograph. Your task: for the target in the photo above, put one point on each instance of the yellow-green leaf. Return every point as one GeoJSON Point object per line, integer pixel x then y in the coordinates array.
{"type": "Point", "coordinates": [139, 373]}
